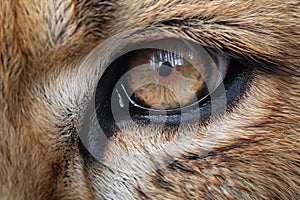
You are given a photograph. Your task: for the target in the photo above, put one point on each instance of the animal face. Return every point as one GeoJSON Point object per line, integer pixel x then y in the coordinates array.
{"type": "Point", "coordinates": [149, 99]}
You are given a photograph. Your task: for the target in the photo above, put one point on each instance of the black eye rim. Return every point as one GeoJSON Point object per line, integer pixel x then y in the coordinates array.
{"type": "Point", "coordinates": [236, 79]}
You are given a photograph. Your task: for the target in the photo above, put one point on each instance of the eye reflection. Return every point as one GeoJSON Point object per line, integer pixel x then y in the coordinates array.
{"type": "Point", "coordinates": [165, 80]}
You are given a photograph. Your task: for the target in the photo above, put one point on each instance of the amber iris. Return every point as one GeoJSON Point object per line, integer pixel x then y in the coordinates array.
{"type": "Point", "coordinates": [164, 80]}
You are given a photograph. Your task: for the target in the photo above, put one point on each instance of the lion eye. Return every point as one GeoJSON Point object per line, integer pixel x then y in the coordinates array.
{"type": "Point", "coordinates": [170, 79]}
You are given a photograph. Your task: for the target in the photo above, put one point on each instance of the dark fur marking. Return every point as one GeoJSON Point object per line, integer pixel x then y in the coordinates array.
{"type": "Point", "coordinates": [221, 150]}
{"type": "Point", "coordinates": [178, 165]}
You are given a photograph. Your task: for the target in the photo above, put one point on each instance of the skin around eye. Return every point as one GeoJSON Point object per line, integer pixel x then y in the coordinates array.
{"type": "Point", "coordinates": [166, 80]}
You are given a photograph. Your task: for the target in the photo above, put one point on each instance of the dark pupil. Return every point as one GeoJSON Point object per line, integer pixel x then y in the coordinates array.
{"type": "Point", "coordinates": [164, 69]}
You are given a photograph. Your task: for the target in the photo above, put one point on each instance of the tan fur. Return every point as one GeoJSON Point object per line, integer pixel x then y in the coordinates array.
{"type": "Point", "coordinates": [52, 53]}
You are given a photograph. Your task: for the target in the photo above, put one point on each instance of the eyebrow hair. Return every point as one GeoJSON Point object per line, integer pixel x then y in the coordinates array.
{"type": "Point", "coordinates": [268, 63]}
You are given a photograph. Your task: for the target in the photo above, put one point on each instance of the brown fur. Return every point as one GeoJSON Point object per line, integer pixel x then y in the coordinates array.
{"type": "Point", "coordinates": [45, 56]}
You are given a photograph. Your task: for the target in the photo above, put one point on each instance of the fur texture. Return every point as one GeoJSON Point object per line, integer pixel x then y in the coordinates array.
{"type": "Point", "coordinates": [53, 53]}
